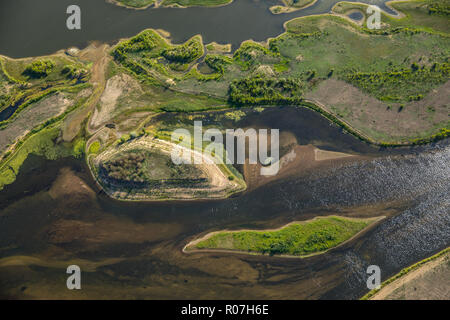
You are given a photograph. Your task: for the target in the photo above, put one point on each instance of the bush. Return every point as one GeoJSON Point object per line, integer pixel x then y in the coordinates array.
{"type": "Point", "coordinates": [217, 62]}
{"type": "Point", "coordinates": [72, 72]}
{"type": "Point", "coordinates": [39, 68]}
{"type": "Point", "coordinates": [260, 90]}
{"type": "Point", "coordinates": [185, 53]}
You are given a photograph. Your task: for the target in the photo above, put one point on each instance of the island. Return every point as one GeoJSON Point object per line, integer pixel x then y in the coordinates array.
{"type": "Point", "coordinates": [296, 239]}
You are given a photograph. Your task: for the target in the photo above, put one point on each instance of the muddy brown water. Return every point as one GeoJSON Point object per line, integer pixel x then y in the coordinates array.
{"type": "Point", "coordinates": [60, 216]}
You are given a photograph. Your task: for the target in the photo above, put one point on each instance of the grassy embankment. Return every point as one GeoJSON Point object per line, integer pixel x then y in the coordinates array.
{"type": "Point", "coordinates": [27, 86]}
{"type": "Point", "coordinates": [394, 70]}
{"type": "Point", "coordinates": [295, 239]}
{"type": "Point", "coordinates": [404, 272]}
{"type": "Point", "coordinates": [396, 75]}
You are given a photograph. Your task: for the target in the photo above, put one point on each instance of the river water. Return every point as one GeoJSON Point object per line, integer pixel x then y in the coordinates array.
{"type": "Point", "coordinates": [59, 224]}
{"type": "Point", "coordinates": [33, 28]}
{"type": "Point", "coordinates": [409, 185]}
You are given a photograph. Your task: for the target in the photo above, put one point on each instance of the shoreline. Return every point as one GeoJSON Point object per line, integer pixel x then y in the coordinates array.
{"type": "Point", "coordinates": [289, 9]}
{"type": "Point", "coordinates": [156, 5]}
{"type": "Point", "coordinates": [239, 184]}
{"type": "Point", "coordinates": [373, 222]}
{"type": "Point", "coordinates": [408, 271]}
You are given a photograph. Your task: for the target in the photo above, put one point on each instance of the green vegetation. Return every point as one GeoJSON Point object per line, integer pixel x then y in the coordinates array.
{"type": "Point", "coordinates": [441, 7]}
{"type": "Point", "coordinates": [296, 239]}
{"type": "Point", "coordinates": [42, 143]}
{"type": "Point", "coordinates": [401, 64]}
{"type": "Point", "coordinates": [40, 93]}
{"type": "Point", "coordinates": [74, 72]}
{"type": "Point", "coordinates": [152, 59]}
{"type": "Point", "coordinates": [94, 147]}
{"type": "Point", "coordinates": [78, 147]}
{"type": "Point", "coordinates": [136, 3]}
{"type": "Point", "coordinates": [185, 53]}
{"type": "Point", "coordinates": [39, 68]}
{"type": "Point", "coordinates": [401, 85]}
{"type": "Point", "coordinates": [127, 167]}
{"type": "Point", "coordinates": [235, 115]}
{"type": "Point", "coordinates": [250, 53]}
{"type": "Point", "coordinates": [218, 62]}
{"type": "Point", "coordinates": [418, 14]}
{"type": "Point", "coordinates": [265, 91]}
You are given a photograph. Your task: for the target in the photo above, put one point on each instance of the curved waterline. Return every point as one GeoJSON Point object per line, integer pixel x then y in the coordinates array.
{"type": "Point", "coordinates": [43, 23]}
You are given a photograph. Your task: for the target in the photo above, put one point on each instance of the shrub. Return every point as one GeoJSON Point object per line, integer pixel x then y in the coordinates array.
{"type": "Point", "coordinates": [184, 53]}
{"type": "Point", "coordinates": [260, 90]}
{"type": "Point", "coordinates": [39, 68]}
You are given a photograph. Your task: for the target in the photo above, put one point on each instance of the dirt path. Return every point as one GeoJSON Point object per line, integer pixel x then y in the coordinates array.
{"type": "Point", "coordinates": [429, 281]}
{"type": "Point", "coordinates": [98, 55]}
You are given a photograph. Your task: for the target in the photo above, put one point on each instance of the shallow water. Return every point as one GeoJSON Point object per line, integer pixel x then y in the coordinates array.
{"type": "Point", "coordinates": [409, 185]}
{"type": "Point", "coordinates": [33, 28]}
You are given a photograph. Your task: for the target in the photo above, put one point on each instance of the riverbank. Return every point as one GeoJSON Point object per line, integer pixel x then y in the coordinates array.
{"type": "Point", "coordinates": [289, 6]}
{"type": "Point", "coordinates": [188, 182]}
{"type": "Point", "coordinates": [423, 280]}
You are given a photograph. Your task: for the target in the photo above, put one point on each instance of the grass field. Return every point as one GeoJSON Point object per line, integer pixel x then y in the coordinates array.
{"type": "Point", "coordinates": [42, 143]}
{"type": "Point", "coordinates": [402, 69]}
{"type": "Point", "coordinates": [295, 239]}
{"type": "Point", "coordinates": [387, 86]}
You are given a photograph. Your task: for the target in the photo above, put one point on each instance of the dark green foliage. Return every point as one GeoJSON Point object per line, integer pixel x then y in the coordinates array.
{"type": "Point", "coordinates": [146, 40]}
{"type": "Point", "coordinates": [441, 7]}
{"type": "Point", "coordinates": [185, 53]}
{"type": "Point", "coordinates": [260, 90]}
{"type": "Point", "coordinates": [128, 167]}
{"type": "Point", "coordinates": [73, 72]}
{"type": "Point", "coordinates": [401, 85]}
{"type": "Point", "coordinates": [217, 62]}
{"type": "Point", "coordinates": [248, 54]}
{"type": "Point", "coordinates": [39, 68]}
{"type": "Point", "coordinates": [296, 239]}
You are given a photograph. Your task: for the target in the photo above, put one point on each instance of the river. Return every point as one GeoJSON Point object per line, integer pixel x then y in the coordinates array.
{"type": "Point", "coordinates": [34, 28]}
{"type": "Point", "coordinates": [138, 245]}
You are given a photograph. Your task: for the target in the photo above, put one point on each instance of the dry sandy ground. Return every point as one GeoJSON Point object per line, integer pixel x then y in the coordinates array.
{"type": "Point", "coordinates": [299, 159]}
{"type": "Point", "coordinates": [117, 86]}
{"type": "Point", "coordinates": [428, 282]}
{"type": "Point", "coordinates": [98, 55]}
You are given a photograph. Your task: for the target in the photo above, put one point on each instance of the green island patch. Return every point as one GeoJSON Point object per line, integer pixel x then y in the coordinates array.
{"type": "Point", "coordinates": [295, 239]}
